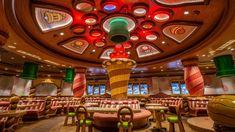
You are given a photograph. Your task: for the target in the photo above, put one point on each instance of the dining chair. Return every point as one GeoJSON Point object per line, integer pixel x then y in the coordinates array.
{"type": "Point", "coordinates": [83, 120]}
{"type": "Point", "coordinates": [125, 117]}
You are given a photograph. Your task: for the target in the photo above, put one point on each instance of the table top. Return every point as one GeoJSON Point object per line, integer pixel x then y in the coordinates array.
{"type": "Point", "coordinates": [8, 113]}
{"type": "Point", "coordinates": [157, 108]}
{"type": "Point", "coordinates": [111, 110]}
{"type": "Point", "coordinates": [153, 104]}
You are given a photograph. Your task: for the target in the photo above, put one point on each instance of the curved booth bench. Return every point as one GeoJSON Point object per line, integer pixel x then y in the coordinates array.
{"type": "Point", "coordinates": [106, 121]}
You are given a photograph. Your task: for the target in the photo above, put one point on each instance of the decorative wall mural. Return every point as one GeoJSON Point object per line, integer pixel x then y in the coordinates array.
{"type": "Point", "coordinates": [49, 19]}
{"type": "Point", "coordinates": [145, 50]}
{"type": "Point", "coordinates": [179, 32]}
{"type": "Point", "coordinates": [106, 53]}
{"type": "Point", "coordinates": [46, 89]}
{"type": "Point", "coordinates": [77, 45]}
{"type": "Point", "coordinates": [178, 2]}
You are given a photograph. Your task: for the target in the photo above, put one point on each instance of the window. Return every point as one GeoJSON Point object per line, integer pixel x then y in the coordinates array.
{"type": "Point", "coordinates": [178, 87]}
{"type": "Point", "coordinates": [96, 89]}
{"type": "Point", "coordinates": [137, 88]}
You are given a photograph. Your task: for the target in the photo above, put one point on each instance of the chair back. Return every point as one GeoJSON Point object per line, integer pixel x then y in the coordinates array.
{"type": "Point", "coordinates": [81, 112]}
{"type": "Point", "coordinates": [125, 114]}
{"type": "Point", "coordinates": [178, 111]}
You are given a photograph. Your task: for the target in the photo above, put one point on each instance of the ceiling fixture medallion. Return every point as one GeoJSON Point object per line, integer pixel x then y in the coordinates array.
{"type": "Point", "coordinates": [50, 19]}
{"type": "Point", "coordinates": [145, 50]}
{"type": "Point", "coordinates": [77, 45]}
{"type": "Point", "coordinates": [178, 2]}
{"type": "Point", "coordinates": [162, 15]}
{"type": "Point", "coordinates": [84, 5]}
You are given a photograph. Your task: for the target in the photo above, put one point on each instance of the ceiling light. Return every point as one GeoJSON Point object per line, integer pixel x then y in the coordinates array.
{"type": "Point", "coordinates": [207, 67]}
{"type": "Point", "coordinates": [12, 58]}
{"type": "Point", "coordinates": [232, 49]}
{"type": "Point", "coordinates": [11, 46]}
{"type": "Point", "coordinates": [161, 16]}
{"type": "Point", "coordinates": [142, 71]}
{"type": "Point", "coordinates": [93, 50]}
{"type": "Point", "coordinates": [161, 66]}
{"type": "Point", "coordinates": [203, 55]}
{"type": "Point", "coordinates": [63, 65]}
{"type": "Point", "coordinates": [151, 37]}
{"type": "Point", "coordinates": [23, 56]}
{"type": "Point", "coordinates": [49, 75]}
{"type": "Point", "coordinates": [186, 12]}
{"type": "Point", "coordinates": [99, 43]}
{"type": "Point", "coordinates": [163, 42]}
{"type": "Point", "coordinates": [154, 67]}
{"type": "Point", "coordinates": [110, 7]}
{"type": "Point", "coordinates": [78, 29]}
{"type": "Point", "coordinates": [140, 11]}
{"type": "Point", "coordinates": [84, 6]}
{"type": "Point", "coordinates": [162, 70]}
{"type": "Point", "coordinates": [6, 68]}
{"type": "Point", "coordinates": [90, 20]}
{"type": "Point", "coordinates": [14, 43]}
{"type": "Point", "coordinates": [128, 52]}
{"type": "Point", "coordinates": [61, 33]}
{"type": "Point", "coordinates": [147, 25]}
{"type": "Point", "coordinates": [96, 33]}
{"type": "Point", "coordinates": [134, 38]}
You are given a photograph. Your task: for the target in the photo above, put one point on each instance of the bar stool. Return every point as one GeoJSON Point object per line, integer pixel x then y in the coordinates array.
{"type": "Point", "coordinates": [176, 119]}
{"type": "Point", "coordinates": [70, 113]}
{"type": "Point", "coordinates": [125, 117]}
{"type": "Point", "coordinates": [83, 121]}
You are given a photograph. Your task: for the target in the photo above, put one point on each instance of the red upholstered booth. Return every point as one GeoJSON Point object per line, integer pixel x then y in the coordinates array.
{"type": "Point", "coordinates": [109, 120]}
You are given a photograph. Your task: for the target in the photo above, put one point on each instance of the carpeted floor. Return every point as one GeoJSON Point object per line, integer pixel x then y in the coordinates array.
{"type": "Point", "coordinates": [55, 124]}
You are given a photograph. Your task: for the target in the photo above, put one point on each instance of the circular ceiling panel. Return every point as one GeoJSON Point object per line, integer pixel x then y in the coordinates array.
{"type": "Point", "coordinates": [71, 29]}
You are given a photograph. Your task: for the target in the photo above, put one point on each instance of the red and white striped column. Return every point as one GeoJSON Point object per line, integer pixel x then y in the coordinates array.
{"type": "Point", "coordinates": [79, 83]}
{"type": "Point", "coordinates": [193, 77]}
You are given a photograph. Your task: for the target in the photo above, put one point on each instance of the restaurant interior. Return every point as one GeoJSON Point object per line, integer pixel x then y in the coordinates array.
{"type": "Point", "coordinates": [117, 66]}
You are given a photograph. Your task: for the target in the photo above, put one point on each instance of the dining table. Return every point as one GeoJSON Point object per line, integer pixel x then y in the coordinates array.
{"type": "Point", "coordinates": [156, 110]}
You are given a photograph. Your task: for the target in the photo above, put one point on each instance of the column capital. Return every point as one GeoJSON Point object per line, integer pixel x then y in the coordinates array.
{"type": "Point", "coordinates": [191, 61]}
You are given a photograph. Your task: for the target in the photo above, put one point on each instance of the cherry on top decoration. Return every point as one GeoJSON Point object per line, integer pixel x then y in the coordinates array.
{"type": "Point", "coordinates": [119, 52]}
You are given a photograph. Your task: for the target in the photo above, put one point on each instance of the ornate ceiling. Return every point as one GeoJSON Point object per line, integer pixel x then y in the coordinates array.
{"type": "Point", "coordinates": [76, 33]}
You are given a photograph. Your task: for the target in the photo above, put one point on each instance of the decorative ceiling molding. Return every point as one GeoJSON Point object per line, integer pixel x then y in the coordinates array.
{"type": "Point", "coordinates": [77, 45]}
{"type": "Point", "coordinates": [145, 50]}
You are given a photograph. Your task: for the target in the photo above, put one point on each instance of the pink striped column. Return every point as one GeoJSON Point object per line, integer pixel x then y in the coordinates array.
{"type": "Point", "coordinates": [193, 77]}
{"type": "Point", "coordinates": [79, 84]}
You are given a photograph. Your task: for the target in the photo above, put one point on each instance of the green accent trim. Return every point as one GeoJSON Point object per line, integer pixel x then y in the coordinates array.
{"type": "Point", "coordinates": [88, 122]}
{"type": "Point", "coordinates": [118, 31]}
{"type": "Point", "coordinates": [224, 66]}
{"type": "Point", "coordinates": [71, 114]}
{"type": "Point", "coordinates": [69, 75]}
{"type": "Point", "coordinates": [124, 124]}
{"type": "Point", "coordinates": [172, 119]}
{"type": "Point", "coordinates": [30, 71]}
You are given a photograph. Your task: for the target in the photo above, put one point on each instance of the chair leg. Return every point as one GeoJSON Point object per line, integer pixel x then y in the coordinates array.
{"type": "Point", "coordinates": [172, 127]}
{"type": "Point", "coordinates": [73, 120]}
{"type": "Point", "coordinates": [66, 121]}
{"type": "Point", "coordinates": [83, 128]}
{"type": "Point", "coordinates": [121, 129]}
{"type": "Point", "coordinates": [181, 126]}
{"type": "Point", "coordinates": [90, 128]}
{"type": "Point", "coordinates": [78, 127]}
{"type": "Point", "coordinates": [129, 129]}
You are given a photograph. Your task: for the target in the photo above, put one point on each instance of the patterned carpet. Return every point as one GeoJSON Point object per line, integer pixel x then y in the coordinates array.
{"type": "Point", "coordinates": [55, 124]}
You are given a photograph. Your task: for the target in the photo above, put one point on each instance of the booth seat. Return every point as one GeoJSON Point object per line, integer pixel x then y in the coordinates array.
{"type": "Point", "coordinates": [4, 105]}
{"type": "Point", "coordinates": [109, 120]}
{"type": "Point", "coordinates": [33, 108]}
{"type": "Point", "coordinates": [197, 106]}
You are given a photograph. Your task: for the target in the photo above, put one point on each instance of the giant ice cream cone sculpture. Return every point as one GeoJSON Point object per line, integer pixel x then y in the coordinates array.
{"type": "Point", "coordinates": [119, 69]}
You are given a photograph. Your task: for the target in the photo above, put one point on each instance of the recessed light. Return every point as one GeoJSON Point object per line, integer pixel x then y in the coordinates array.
{"type": "Point", "coordinates": [154, 67]}
{"type": "Point", "coordinates": [23, 56]}
{"type": "Point", "coordinates": [63, 65]}
{"type": "Point", "coordinates": [128, 52]}
{"type": "Point", "coordinates": [6, 68]}
{"type": "Point", "coordinates": [161, 16]}
{"type": "Point", "coordinates": [232, 49]}
{"type": "Point", "coordinates": [212, 60]}
{"type": "Point", "coordinates": [14, 43]}
{"type": "Point", "coordinates": [93, 50]}
{"type": "Point", "coordinates": [186, 12]}
{"type": "Point", "coordinates": [134, 38]}
{"type": "Point", "coordinates": [11, 46]}
{"type": "Point", "coordinates": [48, 65]}
{"type": "Point", "coordinates": [61, 33]}
{"type": "Point", "coordinates": [90, 21]}
{"type": "Point", "coordinates": [12, 58]}
{"type": "Point", "coordinates": [162, 70]}
{"type": "Point", "coordinates": [49, 75]}
{"type": "Point", "coordinates": [151, 37]}
{"type": "Point", "coordinates": [161, 66]}
{"type": "Point", "coordinates": [140, 11]}
{"type": "Point", "coordinates": [207, 67]}
{"type": "Point", "coordinates": [41, 66]}
{"type": "Point", "coordinates": [203, 55]}
{"type": "Point", "coordinates": [142, 71]}
{"type": "Point", "coordinates": [163, 42]}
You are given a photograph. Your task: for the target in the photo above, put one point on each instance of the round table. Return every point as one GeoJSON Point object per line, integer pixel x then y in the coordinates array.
{"type": "Point", "coordinates": [156, 110]}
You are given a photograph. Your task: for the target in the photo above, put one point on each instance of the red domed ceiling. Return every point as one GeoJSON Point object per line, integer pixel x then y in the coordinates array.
{"type": "Point", "coordinates": [79, 30]}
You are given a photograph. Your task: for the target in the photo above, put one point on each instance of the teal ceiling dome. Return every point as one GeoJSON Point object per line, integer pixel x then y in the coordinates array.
{"type": "Point", "coordinates": [30, 71]}
{"type": "Point", "coordinates": [69, 75]}
{"type": "Point", "coordinates": [118, 31]}
{"type": "Point", "coordinates": [224, 65]}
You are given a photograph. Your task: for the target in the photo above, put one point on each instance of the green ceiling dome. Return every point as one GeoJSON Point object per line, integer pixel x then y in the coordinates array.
{"type": "Point", "coordinates": [69, 75]}
{"type": "Point", "coordinates": [30, 71]}
{"type": "Point", "coordinates": [224, 65]}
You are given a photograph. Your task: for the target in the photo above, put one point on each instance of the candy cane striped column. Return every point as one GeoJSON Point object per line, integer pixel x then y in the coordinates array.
{"type": "Point", "coordinates": [119, 74]}
{"type": "Point", "coordinates": [193, 77]}
{"type": "Point", "coordinates": [79, 84]}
